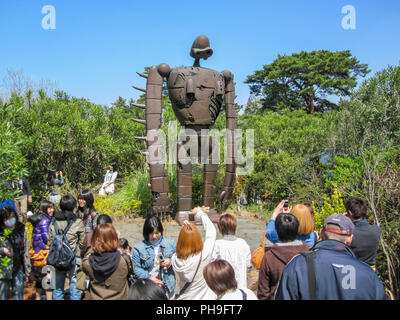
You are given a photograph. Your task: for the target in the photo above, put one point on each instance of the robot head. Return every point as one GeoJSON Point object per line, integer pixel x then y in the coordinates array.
{"type": "Point", "coordinates": [201, 48]}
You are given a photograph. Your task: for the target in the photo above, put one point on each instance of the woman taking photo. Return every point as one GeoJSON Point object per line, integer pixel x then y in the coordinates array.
{"type": "Point", "coordinates": [109, 179]}
{"type": "Point", "coordinates": [152, 256]}
{"type": "Point", "coordinates": [192, 255]}
{"type": "Point", "coordinates": [106, 269]}
{"type": "Point", "coordinates": [303, 214]}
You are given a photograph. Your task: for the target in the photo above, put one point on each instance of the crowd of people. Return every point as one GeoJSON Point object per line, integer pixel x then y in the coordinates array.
{"type": "Point", "coordinates": [72, 241]}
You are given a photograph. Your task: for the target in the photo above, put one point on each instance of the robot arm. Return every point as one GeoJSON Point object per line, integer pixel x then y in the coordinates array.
{"type": "Point", "coordinates": [231, 125]}
{"type": "Point", "coordinates": [153, 112]}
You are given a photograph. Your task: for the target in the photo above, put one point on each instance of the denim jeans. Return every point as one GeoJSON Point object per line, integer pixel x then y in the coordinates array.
{"type": "Point", "coordinates": [18, 285]}
{"type": "Point", "coordinates": [58, 292]}
{"type": "Point", "coordinates": [4, 287]}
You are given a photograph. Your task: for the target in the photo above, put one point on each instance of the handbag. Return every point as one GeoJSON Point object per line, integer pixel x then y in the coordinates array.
{"type": "Point", "coordinates": [258, 253]}
{"type": "Point", "coordinates": [187, 284]}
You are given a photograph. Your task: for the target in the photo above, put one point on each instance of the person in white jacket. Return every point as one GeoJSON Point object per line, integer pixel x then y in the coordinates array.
{"type": "Point", "coordinates": [232, 249]}
{"type": "Point", "coordinates": [192, 255]}
{"type": "Point", "coordinates": [109, 179]}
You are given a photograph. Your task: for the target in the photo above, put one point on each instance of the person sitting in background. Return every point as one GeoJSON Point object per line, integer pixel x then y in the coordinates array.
{"type": "Point", "coordinates": [108, 273]}
{"type": "Point", "coordinates": [306, 224]}
{"type": "Point", "coordinates": [109, 179]}
{"type": "Point", "coordinates": [366, 236]}
{"type": "Point", "coordinates": [54, 180]}
{"type": "Point", "coordinates": [152, 256]}
{"type": "Point", "coordinates": [192, 255]}
{"type": "Point", "coordinates": [330, 270]}
{"type": "Point", "coordinates": [146, 289]}
{"type": "Point", "coordinates": [220, 278]}
{"type": "Point", "coordinates": [280, 253]}
{"type": "Point", "coordinates": [21, 264]}
{"type": "Point", "coordinates": [232, 249]}
{"type": "Point", "coordinates": [75, 237]}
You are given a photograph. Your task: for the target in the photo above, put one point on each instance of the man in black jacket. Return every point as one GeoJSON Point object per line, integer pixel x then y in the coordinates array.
{"type": "Point", "coordinates": [366, 236]}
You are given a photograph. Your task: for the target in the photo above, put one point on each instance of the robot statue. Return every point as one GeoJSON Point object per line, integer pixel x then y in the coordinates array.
{"type": "Point", "coordinates": [197, 95]}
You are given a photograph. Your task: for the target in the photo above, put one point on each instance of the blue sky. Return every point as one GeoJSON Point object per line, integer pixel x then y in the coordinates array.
{"type": "Point", "coordinates": [98, 45]}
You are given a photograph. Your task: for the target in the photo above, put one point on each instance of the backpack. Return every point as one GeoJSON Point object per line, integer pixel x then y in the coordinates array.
{"type": "Point", "coordinates": [61, 255]}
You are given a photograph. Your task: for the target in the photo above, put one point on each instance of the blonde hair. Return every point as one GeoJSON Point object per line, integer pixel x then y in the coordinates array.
{"type": "Point", "coordinates": [306, 221]}
{"type": "Point", "coordinates": [189, 242]}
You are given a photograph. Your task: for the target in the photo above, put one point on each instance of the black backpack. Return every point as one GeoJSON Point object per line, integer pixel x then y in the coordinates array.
{"type": "Point", "coordinates": [61, 255]}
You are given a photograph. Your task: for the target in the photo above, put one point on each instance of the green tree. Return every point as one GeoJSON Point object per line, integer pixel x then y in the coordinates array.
{"type": "Point", "coordinates": [303, 80]}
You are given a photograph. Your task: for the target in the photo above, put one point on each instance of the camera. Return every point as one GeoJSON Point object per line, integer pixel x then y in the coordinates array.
{"type": "Point", "coordinates": [286, 204]}
{"type": "Point", "coordinates": [161, 259]}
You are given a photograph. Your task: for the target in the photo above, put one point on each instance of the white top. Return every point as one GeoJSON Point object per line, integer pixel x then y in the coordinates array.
{"type": "Point", "coordinates": [109, 179]}
{"type": "Point", "coordinates": [110, 176]}
{"type": "Point", "coordinates": [237, 252]}
{"type": "Point", "coordinates": [185, 269]}
{"type": "Point", "coordinates": [156, 267]}
{"type": "Point", "coordinates": [237, 295]}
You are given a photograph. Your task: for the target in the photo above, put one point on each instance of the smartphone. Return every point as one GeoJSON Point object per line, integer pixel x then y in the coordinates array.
{"type": "Point", "coordinates": [286, 204]}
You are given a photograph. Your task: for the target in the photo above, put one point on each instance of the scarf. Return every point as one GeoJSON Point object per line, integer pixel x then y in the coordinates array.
{"type": "Point", "coordinates": [157, 243]}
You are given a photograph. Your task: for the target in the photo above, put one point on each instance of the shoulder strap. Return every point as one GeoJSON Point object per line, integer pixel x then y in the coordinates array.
{"type": "Point", "coordinates": [56, 228]}
{"type": "Point", "coordinates": [129, 264]}
{"type": "Point", "coordinates": [244, 294]}
{"type": "Point", "coordinates": [187, 284]}
{"type": "Point", "coordinates": [312, 285]}
{"type": "Point", "coordinates": [68, 226]}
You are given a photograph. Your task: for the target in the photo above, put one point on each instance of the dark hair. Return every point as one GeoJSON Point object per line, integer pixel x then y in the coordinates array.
{"type": "Point", "coordinates": [287, 227]}
{"type": "Point", "coordinates": [146, 289]}
{"type": "Point", "coordinates": [45, 205]}
{"type": "Point", "coordinates": [227, 224]}
{"type": "Point", "coordinates": [357, 206]}
{"type": "Point", "coordinates": [220, 276]}
{"type": "Point", "coordinates": [123, 243]}
{"type": "Point", "coordinates": [88, 196]}
{"type": "Point", "coordinates": [114, 165]}
{"type": "Point", "coordinates": [103, 219]}
{"type": "Point", "coordinates": [151, 223]}
{"type": "Point", "coordinates": [5, 213]}
{"type": "Point", "coordinates": [68, 203]}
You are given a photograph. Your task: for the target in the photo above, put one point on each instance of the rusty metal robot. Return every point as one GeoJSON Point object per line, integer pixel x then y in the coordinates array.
{"type": "Point", "coordinates": [197, 95]}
